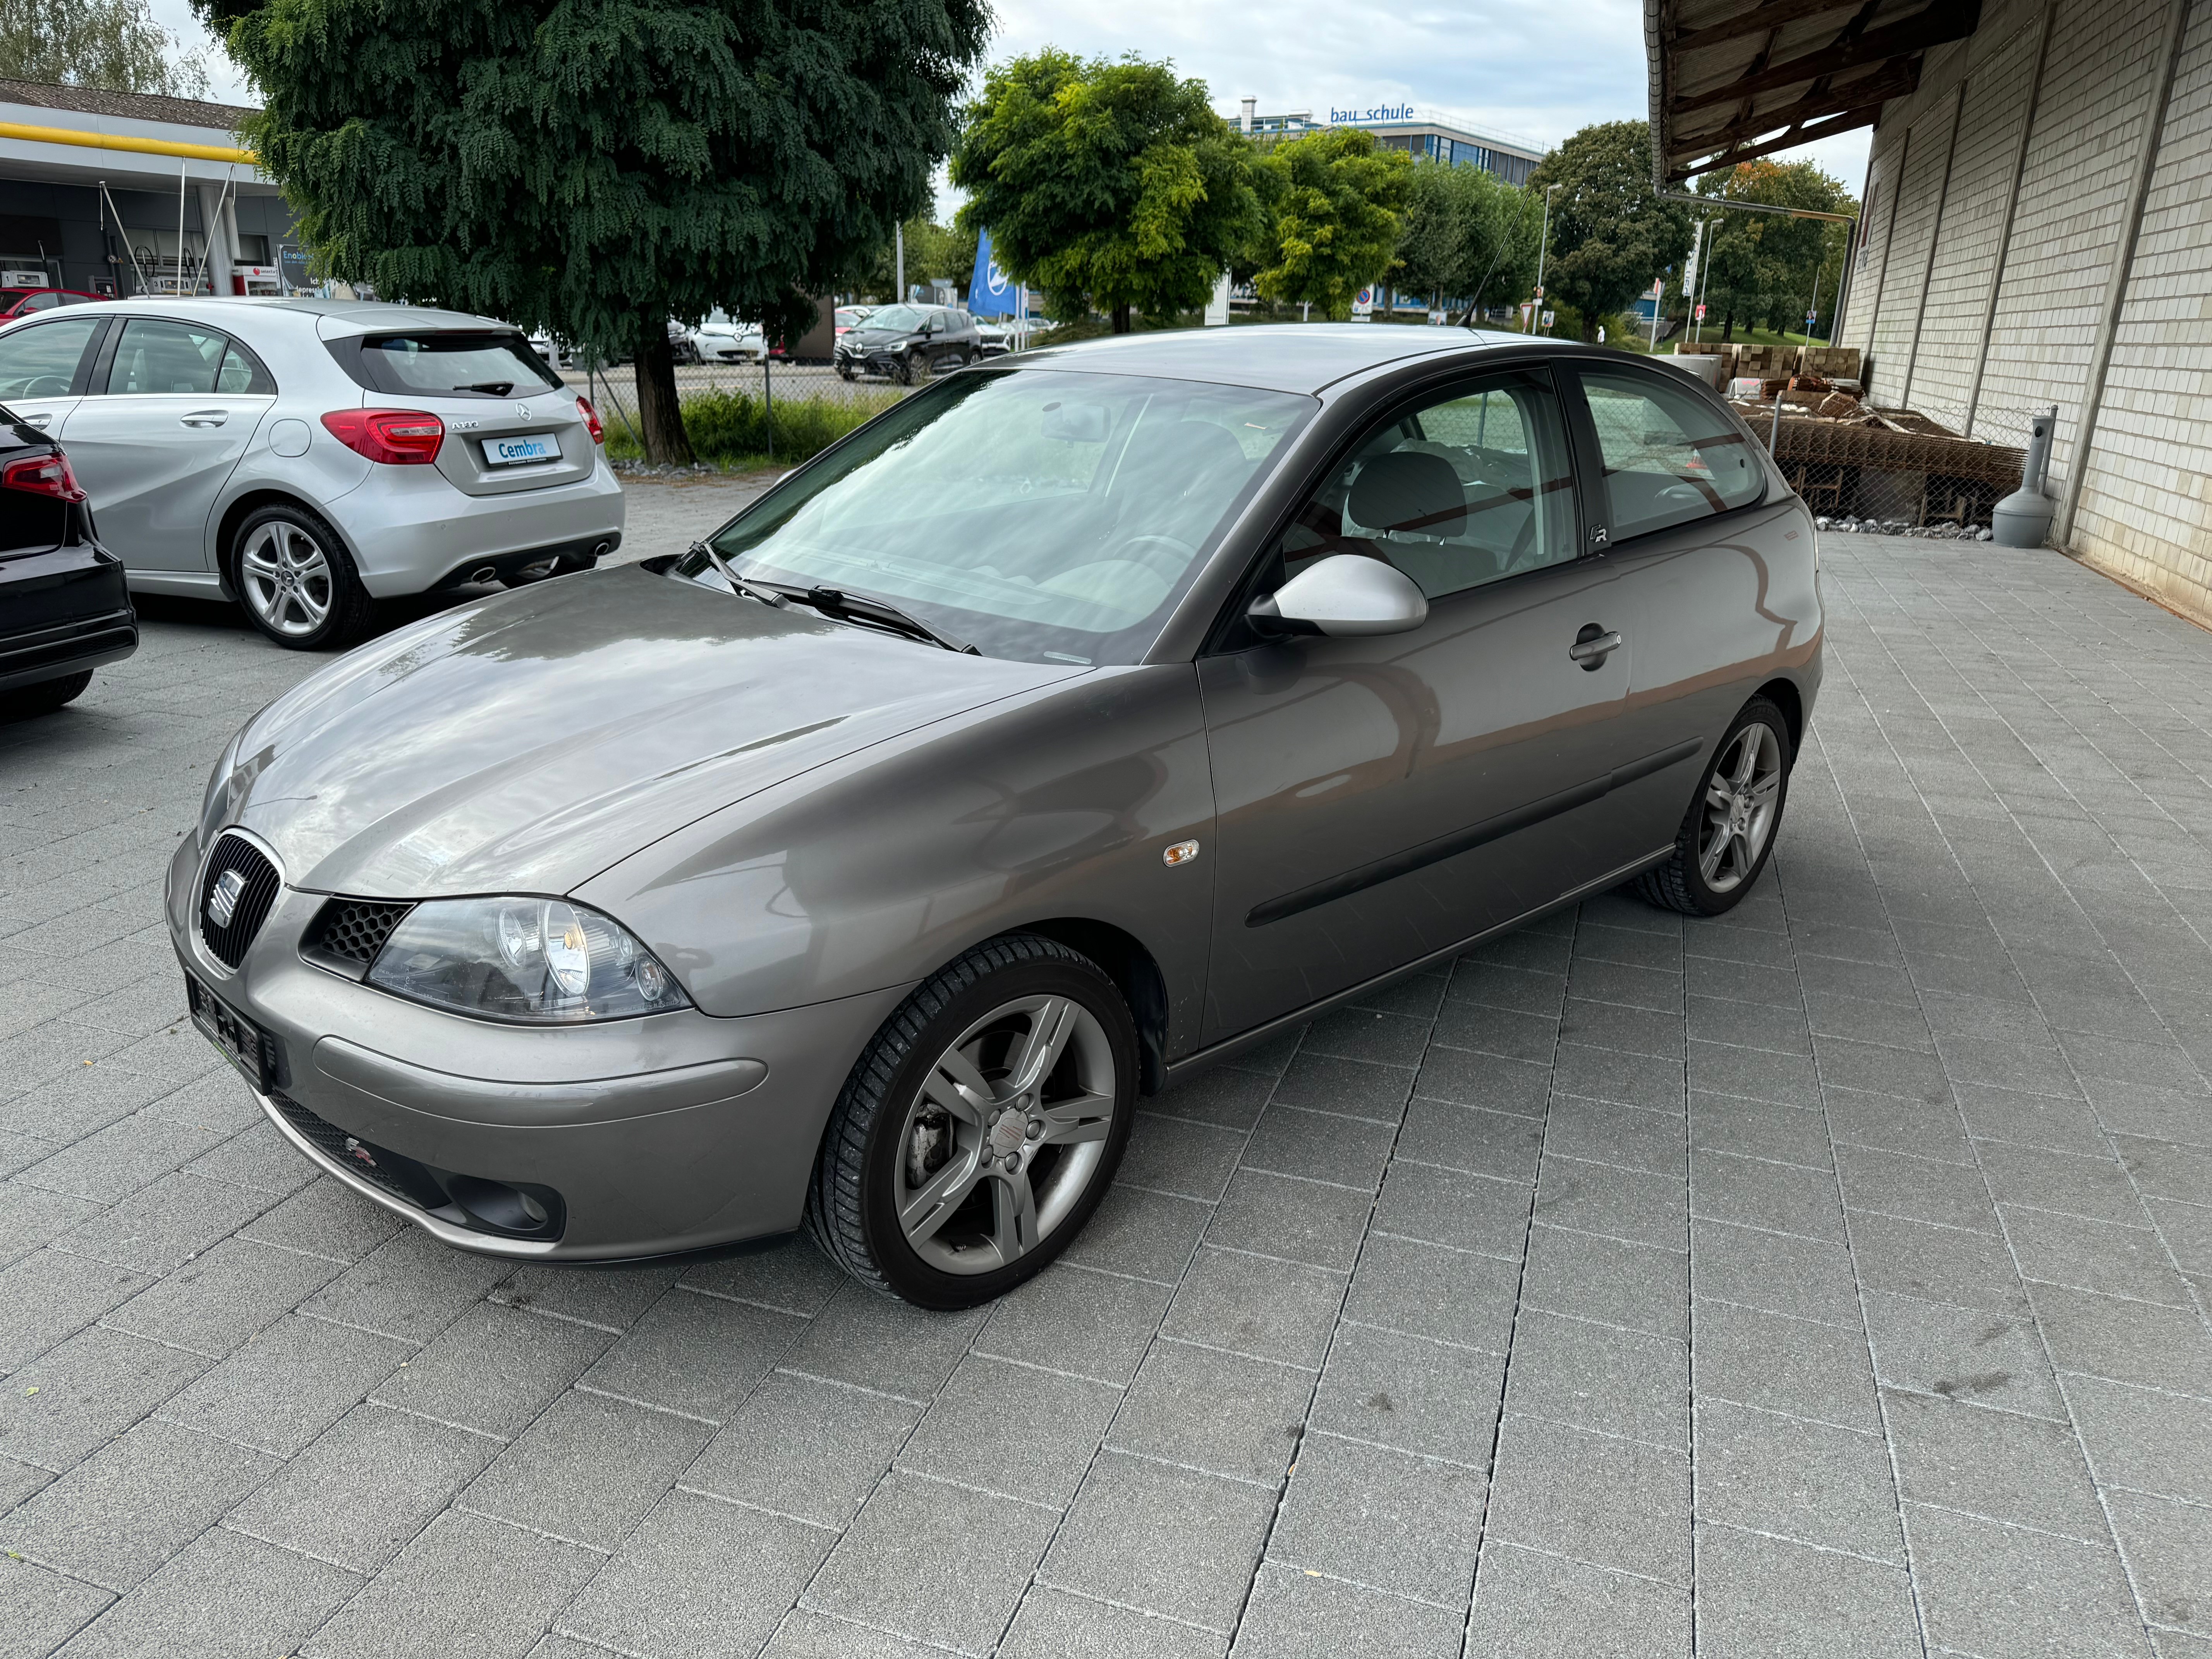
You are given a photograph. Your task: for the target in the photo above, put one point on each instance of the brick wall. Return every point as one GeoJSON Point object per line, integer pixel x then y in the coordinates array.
{"type": "Point", "coordinates": [1933, 253]}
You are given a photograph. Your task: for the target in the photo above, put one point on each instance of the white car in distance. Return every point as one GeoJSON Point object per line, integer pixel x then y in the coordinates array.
{"type": "Point", "coordinates": [722, 339]}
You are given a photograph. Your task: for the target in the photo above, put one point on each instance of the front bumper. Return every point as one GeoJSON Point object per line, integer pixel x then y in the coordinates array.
{"type": "Point", "coordinates": [672, 1132]}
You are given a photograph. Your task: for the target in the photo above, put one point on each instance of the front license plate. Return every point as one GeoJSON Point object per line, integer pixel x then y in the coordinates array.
{"type": "Point", "coordinates": [235, 1037]}
{"type": "Point", "coordinates": [522, 450]}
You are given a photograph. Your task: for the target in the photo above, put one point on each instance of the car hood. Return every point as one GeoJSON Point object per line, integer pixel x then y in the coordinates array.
{"type": "Point", "coordinates": [865, 335]}
{"type": "Point", "coordinates": [526, 742]}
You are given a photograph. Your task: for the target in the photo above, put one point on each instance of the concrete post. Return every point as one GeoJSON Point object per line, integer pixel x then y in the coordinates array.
{"type": "Point", "coordinates": [2012, 210]}
{"type": "Point", "coordinates": [215, 226]}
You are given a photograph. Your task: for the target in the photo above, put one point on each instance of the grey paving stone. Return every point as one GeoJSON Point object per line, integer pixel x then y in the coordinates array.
{"type": "Point", "coordinates": [1502, 1031]}
{"type": "Point", "coordinates": [868, 1339]}
{"type": "Point", "coordinates": [1374, 1034]}
{"type": "Point", "coordinates": [1961, 1353]}
{"type": "Point", "coordinates": [2094, 1255]}
{"type": "Point", "coordinates": [1628, 1136]}
{"type": "Point", "coordinates": [2169, 1551]}
{"type": "Point", "coordinates": [2126, 1341]}
{"type": "Point", "coordinates": [1917, 1188]}
{"type": "Point", "coordinates": [1753, 1023]}
{"type": "Point", "coordinates": [1529, 1606]}
{"type": "Point", "coordinates": [807, 1634]}
{"type": "Point", "coordinates": [669, 1589]}
{"type": "Point", "coordinates": [1450, 1295]}
{"type": "Point", "coordinates": [1299, 1220]}
{"type": "Point", "coordinates": [1759, 1128]}
{"type": "Point", "coordinates": [1295, 1612]}
{"type": "Point", "coordinates": [1823, 1486]}
{"type": "Point", "coordinates": [1602, 1198]}
{"type": "Point", "coordinates": [696, 1354]}
{"type": "Point", "coordinates": [85, 1392]}
{"type": "Point", "coordinates": [1350, 1087]}
{"type": "Point", "coordinates": [612, 1298]}
{"type": "Point", "coordinates": [1790, 1080]}
{"type": "Point", "coordinates": [466, 1584]}
{"type": "Point", "coordinates": [1894, 1021]}
{"type": "Point", "coordinates": [494, 1369]}
{"type": "Point", "coordinates": [1217, 1412]}
{"type": "Point", "coordinates": [1321, 1146]}
{"type": "Point", "coordinates": [1593, 1498]}
{"type": "Point", "coordinates": [1640, 1287]}
{"type": "Point", "coordinates": [1786, 1198]}
{"type": "Point", "coordinates": [792, 1277]}
{"type": "Point", "coordinates": [1447, 1207]}
{"type": "Point", "coordinates": [110, 1164]}
{"type": "Point", "coordinates": [1409, 1525]}
{"type": "Point", "coordinates": [588, 1469]}
{"type": "Point", "coordinates": [1765, 1598]}
{"type": "Point", "coordinates": [804, 1447]}
{"type": "Point", "coordinates": [1491, 1081]}
{"type": "Point", "coordinates": [40, 1608]}
{"type": "Point", "coordinates": [1827, 976]}
{"type": "Point", "coordinates": [1908, 1075]}
{"type": "Point", "coordinates": [1819, 1372]}
{"type": "Point", "coordinates": [2187, 1230]}
{"type": "Point", "coordinates": [326, 1218]}
{"type": "Point", "coordinates": [936, 1562]}
{"type": "Point", "coordinates": [1629, 1079]}
{"type": "Point", "coordinates": [1229, 1099]}
{"type": "Point", "coordinates": [1164, 1540]}
{"type": "Point", "coordinates": [410, 1287]}
{"type": "Point", "coordinates": [1803, 1278]}
{"type": "Point", "coordinates": [370, 1483]}
{"type": "Point", "coordinates": [1625, 1029]}
{"type": "Point", "coordinates": [2145, 1438]}
{"type": "Point", "coordinates": [1257, 1305]}
{"type": "Point", "coordinates": [285, 1385]}
{"type": "Point", "coordinates": [1012, 1429]}
{"type": "Point", "coordinates": [1532, 949]}
{"type": "Point", "coordinates": [1501, 1145]}
{"type": "Point", "coordinates": [1498, 984]}
{"type": "Point", "coordinates": [223, 1593]}
{"type": "Point", "coordinates": [1417, 994]}
{"type": "Point", "coordinates": [1070, 1318]}
{"type": "Point", "coordinates": [1717, 979]}
{"type": "Point", "coordinates": [51, 1294]}
{"type": "Point", "coordinates": [1054, 1624]}
{"type": "Point", "coordinates": [1406, 1392]}
{"type": "Point", "coordinates": [1990, 1589]}
{"type": "Point", "coordinates": [31, 1216]}
{"type": "Point", "coordinates": [117, 1517]}
{"type": "Point", "coordinates": [1869, 1119]}
{"type": "Point", "coordinates": [219, 1299]}
{"type": "Point", "coordinates": [1617, 1382]}
{"type": "Point", "coordinates": [1191, 1160]}
{"type": "Point", "coordinates": [1997, 1464]}
{"type": "Point", "coordinates": [2165, 1169]}
{"type": "Point", "coordinates": [258, 1158]}
{"type": "Point", "coordinates": [1150, 1235]}
{"type": "Point", "coordinates": [1938, 1264]}
{"type": "Point", "coordinates": [2095, 1185]}
{"type": "Point", "coordinates": [74, 1096]}
{"type": "Point", "coordinates": [2142, 1109]}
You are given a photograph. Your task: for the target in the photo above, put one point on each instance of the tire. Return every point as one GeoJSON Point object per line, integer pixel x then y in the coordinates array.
{"type": "Point", "coordinates": [322, 605]}
{"type": "Point", "coordinates": [992, 1194]}
{"type": "Point", "coordinates": [44, 696]}
{"type": "Point", "coordinates": [1728, 833]}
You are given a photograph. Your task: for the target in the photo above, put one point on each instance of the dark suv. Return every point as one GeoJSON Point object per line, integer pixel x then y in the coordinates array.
{"type": "Point", "coordinates": [907, 342]}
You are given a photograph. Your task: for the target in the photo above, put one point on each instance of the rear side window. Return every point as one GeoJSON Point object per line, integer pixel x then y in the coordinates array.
{"type": "Point", "coordinates": [1669, 457]}
{"type": "Point", "coordinates": [440, 364]}
{"type": "Point", "coordinates": [42, 362]}
{"type": "Point", "coordinates": [154, 357]}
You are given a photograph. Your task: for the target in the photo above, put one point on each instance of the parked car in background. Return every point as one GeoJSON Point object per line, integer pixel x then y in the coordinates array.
{"type": "Point", "coordinates": [65, 608]}
{"type": "Point", "coordinates": [303, 457]}
{"type": "Point", "coordinates": [23, 301]}
{"type": "Point", "coordinates": [997, 337]}
{"type": "Point", "coordinates": [847, 317]}
{"type": "Point", "coordinates": [1073, 725]}
{"type": "Point", "coordinates": [904, 343]}
{"type": "Point", "coordinates": [683, 346]}
{"type": "Point", "coordinates": [721, 339]}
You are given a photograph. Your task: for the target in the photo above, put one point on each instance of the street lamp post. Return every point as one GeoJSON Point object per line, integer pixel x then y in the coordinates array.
{"type": "Point", "coordinates": [1543, 247]}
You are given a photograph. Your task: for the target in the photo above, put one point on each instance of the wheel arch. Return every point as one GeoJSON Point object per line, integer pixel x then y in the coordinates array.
{"type": "Point", "coordinates": [252, 501]}
{"type": "Point", "coordinates": [1783, 695]}
{"type": "Point", "coordinates": [1134, 970]}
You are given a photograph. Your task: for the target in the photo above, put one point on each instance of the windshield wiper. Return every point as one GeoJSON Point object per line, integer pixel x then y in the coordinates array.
{"type": "Point", "coordinates": [737, 584]}
{"type": "Point", "coordinates": [496, 388]}
{"type": "Point", "coordinates": [862, 608]}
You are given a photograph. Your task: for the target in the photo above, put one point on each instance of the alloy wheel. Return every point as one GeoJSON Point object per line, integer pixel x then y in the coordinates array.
{"type": "Point", "coordinates": [1741, 808]}
{"type": "Point", "coordinates": [1005, 1136]}
{"type": "Point", "coordinates": [285, 576]}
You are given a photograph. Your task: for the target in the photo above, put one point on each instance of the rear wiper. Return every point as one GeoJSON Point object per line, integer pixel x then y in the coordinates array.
{"type": "Point", "coordinates": [496, 388]}
{"type": "Point", "coordinates": [738, 584]}
{"type": "Point", "coordinates": [862, 608]}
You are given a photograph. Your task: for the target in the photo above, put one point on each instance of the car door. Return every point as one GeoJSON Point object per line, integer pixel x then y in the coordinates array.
{"type": "Point", "coordinates": [173, 407]}
{"type": "Point", "coordinates": [1383, 798]}
{"type": "Point", "coordinates": [1676, 487]}
{"type": "Point", "coordinates": [44, 367]}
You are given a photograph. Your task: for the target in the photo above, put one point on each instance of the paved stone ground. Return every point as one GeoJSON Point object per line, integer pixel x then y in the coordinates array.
{"type": "Point", "coordinates": [1829, 1280]}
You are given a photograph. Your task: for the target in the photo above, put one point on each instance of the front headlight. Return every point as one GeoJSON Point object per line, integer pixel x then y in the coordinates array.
{"type": "Point", "coordinates": [536, 960]}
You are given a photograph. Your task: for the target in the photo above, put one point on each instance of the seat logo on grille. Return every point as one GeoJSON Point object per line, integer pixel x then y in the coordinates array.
{"type": "Point", "coordinates": [222, 897]}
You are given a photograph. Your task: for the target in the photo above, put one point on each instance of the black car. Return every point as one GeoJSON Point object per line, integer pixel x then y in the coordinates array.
{"type": "Point", "coordinates": [907, 342]}
{"type": "Point", "coordinates": [63, 607]}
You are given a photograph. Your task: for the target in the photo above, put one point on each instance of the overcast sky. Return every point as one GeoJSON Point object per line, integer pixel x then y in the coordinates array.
{"type": "Point", "coordinates": [1519, 70]}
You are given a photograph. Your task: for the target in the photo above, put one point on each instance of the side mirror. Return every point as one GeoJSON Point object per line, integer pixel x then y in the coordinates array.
{"type": "Point", "coordinates": [1343, 596]}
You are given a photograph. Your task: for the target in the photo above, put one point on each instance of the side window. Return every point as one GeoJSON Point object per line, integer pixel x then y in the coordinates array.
{"type": "Point", "coordinates": [154, 357]}
{"type": "Point", "coordinates": [241, 373]}
{"type": "Point", "coordinates": [1669, 457]}
{"type": "Point", "coordinates": [40, 302]}
{"type": "Point", "coordinates": [41, 361]}
{"type": "Point", "coordinates": [1467, 488]}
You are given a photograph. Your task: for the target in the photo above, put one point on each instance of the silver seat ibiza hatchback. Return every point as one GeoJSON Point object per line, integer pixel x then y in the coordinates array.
{"type": "Point", "coordinates": [1082, 719]}
{"type": "Point", "coordinates": [303, 457]}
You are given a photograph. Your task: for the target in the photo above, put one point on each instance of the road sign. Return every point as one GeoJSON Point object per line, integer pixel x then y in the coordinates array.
{"type": "Point", "coordinates": [1549, 318]}
{"type": "Point", "coordinates": [1811, 318]}
{"type": "Point", "coordinates": [1701, 314]}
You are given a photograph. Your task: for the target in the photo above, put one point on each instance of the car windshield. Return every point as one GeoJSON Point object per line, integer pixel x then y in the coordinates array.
{"type": "Point", "coordinates": [451, 364]}
{"type": "Point", "coordinates": [1043, 515]}
{"type": "Point", "coordinates": [895, 317]}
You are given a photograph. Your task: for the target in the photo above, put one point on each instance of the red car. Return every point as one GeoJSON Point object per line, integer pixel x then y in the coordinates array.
{"type": "Point", "coordinates": [23, 301]}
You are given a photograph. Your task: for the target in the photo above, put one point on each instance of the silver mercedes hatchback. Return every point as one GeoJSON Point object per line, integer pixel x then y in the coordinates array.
{"type": "Point", "coordinates": [1086, 717]}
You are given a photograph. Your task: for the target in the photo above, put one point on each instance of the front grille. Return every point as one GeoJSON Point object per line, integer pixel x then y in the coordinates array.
{"type": "Point", "coordinates": [227, 941]}
{"type": "Point", "coordinates": [354, 930]}
{"type": "Point", "coordinates": [401, 1177]}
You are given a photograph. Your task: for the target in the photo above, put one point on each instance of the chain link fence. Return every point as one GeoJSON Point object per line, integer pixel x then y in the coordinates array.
{"type": "Point", "coordinates": [768, 411]}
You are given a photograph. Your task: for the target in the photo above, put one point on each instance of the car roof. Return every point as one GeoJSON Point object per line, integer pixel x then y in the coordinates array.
{"type": "Point", "coordinates": [1277, 356]}
{"type": "Point", "coordinates": [333, 316]}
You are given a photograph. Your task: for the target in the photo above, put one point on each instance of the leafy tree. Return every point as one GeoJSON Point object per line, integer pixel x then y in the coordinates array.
{"type": "Point", "coordinates": [933, 253]}
{"type": "Point", "coordinates": [1763, 268]}
{"type": "Point", "coordinates": [1337, 220]}
{"type": "Point", "coordinates": [1469, 235]}
{"type": "Point", "coordinates": [112, 44]}
{"type": "Point", "coordinates": [1105, 183]}
{"type": "Point", "coordinates": [1611, 235]}
{"type": "Point", "coordinates": [596, 167]}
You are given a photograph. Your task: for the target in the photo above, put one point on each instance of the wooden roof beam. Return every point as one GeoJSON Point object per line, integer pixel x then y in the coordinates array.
{"type": "Point", "coordinates": [1772, 15]}
{"type": "Point", "coordinates": [1946, 20]}
{"type": "Point", "coordinates": [1896, 79]}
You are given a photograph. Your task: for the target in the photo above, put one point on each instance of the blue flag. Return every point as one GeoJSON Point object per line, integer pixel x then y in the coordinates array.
{"type": "Point", "coordinates": [990, 291]}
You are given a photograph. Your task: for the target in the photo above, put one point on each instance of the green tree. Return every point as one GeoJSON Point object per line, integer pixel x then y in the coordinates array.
{"type": "Point", "coordinates": [1342, 199]}
{"type": "Point", "coordinates": [1469, 235]}
{"type": "Point", "coordinates": [1610, 235]}
{"type": "Point", "coordinates": [596, 167]}
{"type": "Point", "coordinates": [112, 44]}
{"type": "Point", "coordinates": [1106, 184]}
{"type": "Point", "coordinates": [1767, 269]}
{"type": "Point", "coordinates": [933, 253]}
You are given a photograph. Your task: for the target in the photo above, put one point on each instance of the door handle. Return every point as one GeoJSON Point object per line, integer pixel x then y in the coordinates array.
{"type": "Point", "coordinates": [1593, 645]}
{"type": "Point", "coordinates": [205, 417]}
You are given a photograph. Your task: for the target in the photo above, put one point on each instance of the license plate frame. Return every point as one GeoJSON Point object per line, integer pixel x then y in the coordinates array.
{"type": "Point", "coordinates": [536, 448]}
{"type": "Point", "coordinates": [235, 1037]}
